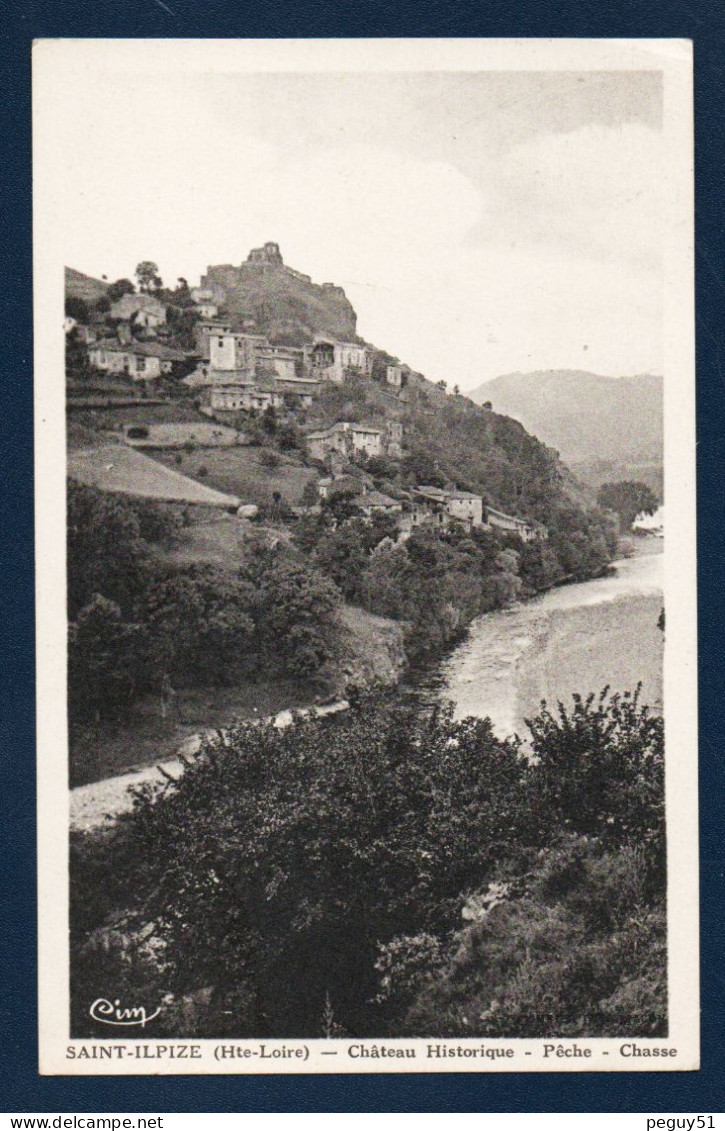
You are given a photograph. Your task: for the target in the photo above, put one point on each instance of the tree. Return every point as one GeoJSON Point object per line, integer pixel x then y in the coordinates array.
{"type": "Point", "coordinates": [282, 858]}
{"type": "Point", "coordinates": [289, 437]}
{"type": "Point", "coordinates": [343, 555]}
{"type": "Point", "coordinates": [106, 551]}
{"type": "Point", "coordinates": [600, 770]}
{"type": "Point", "coordinates": [147, 274]}
{"type": "Point", "coordinates": [627, 499]}
{"type": "Point", "coordinates": [326, 869]}
{"type": "Point", "coordinates": [422, 468]}
{"type": "Point", "coordinates": [310, 497]}
{"type": "Point", "coordinates": [293, 612]}
{"type": "Point", "coordinates": [200, 624]}
{"type": "Point", "coordinates": [269, 420]}
{"type": "Point", "coordinates": [120, 288]}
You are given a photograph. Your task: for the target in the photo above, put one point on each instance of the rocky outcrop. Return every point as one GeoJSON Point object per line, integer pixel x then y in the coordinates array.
{"type": "Point", "coordinates": [266, 296]}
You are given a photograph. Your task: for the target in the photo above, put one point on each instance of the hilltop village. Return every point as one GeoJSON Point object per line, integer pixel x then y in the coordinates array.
{"type": "Point", "coordinates": [201, 348]}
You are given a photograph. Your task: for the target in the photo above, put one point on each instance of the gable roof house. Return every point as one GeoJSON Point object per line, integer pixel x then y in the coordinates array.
{"type": "Point", "coordinates": [143, 310]}
{"type": "Point", "coordinates": [448, 505]}
{"type": "Point", "coordinates": [243, 398]}
{"type": "Point", "coordinates": [143, 361]}
{"type": "Point", "coordinates": [526, 531]}
{"type": "Point", "coordinates": [375, 502]}
{"type": "Point", "coordinates": [347, 438]}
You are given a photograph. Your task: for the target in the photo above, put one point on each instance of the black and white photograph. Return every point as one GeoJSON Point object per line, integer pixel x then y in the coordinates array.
{"type": "Point", "coordinates": [366, 583]}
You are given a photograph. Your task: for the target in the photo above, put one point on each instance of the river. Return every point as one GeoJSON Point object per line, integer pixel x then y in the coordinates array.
{"type": "Point", "coordinates": [577, 638]}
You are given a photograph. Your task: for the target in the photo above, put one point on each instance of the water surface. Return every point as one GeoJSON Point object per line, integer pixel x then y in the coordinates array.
{"type": "Point", "coordinates": [577, 638]}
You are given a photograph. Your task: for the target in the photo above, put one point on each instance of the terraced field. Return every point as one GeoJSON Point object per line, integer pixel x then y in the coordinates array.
{"type": "Point", "coordinates": [116, 467]}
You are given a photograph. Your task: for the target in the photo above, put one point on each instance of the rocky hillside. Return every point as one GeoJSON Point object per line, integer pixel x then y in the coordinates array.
{"type": "Point", "coordinates": [584, 416]}
{"type": "Point", "coordinates": [265, 295]}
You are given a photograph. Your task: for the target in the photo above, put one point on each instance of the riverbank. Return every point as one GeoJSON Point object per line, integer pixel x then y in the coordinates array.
{"type": "Point", "coordinates": [577, 638]}
{"type": "Point", "coordinates": [368, 649]}
{"type": "Point", "coordinates": [574, 639]}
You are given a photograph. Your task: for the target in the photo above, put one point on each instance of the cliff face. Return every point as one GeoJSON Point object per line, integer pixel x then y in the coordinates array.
{"type": "Point", "coordinates": [284, 304]}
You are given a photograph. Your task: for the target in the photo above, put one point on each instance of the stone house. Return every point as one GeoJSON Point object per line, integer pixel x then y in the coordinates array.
{"type": "Point", "coordinates": [394, 438]}
{"type": "Point", "coordinates": [397, 375]}
{"type": "Point", "coordinates": [465, 506]}
{"type": "Point", "coordinates": [413, 515]}
{"type": "Point", "coordinates": [297, 392]}
{"type": "Point", "coordinates": [243, 398]}
{"type": "Point", "coordinates": [252, 354]}
{"type": "Point", "coordinates": [206, 309]}
{"type": "Point", "coordinates": [206, 301]}
{"type": "Point", "coordinates": [237, 353]}
{"type": "Point", "coordinates": [331, 360]}
{"type": "Point", "coordinates": [375, 502]}
{"type": "Point", "coordinates": [526, 531]}
{"type": "Point", "coordinates": [348, 439]}
{"type": "Point", "coordinates": [285, 361]}
{"type": "Point", "coordinates": [207, 329]}
{"type": "Point", "coordinates": [208, 292]}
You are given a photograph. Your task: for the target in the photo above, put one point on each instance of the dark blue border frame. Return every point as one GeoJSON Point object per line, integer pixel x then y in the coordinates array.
{"type": "Point", "coordinates": [21, 1088]}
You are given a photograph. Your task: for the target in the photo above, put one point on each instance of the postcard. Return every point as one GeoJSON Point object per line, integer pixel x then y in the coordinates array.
{"type": "Point", "coordinates": [367, 683]}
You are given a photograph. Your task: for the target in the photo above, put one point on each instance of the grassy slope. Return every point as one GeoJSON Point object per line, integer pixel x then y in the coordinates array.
{"type": "Point", "coordinates": [239, 471]}
{"type": "Point", "coordinates": [78, 285]}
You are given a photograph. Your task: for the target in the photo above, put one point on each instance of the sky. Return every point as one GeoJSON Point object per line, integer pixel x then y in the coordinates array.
{"type": "Point", "coordinates": [480, 223]}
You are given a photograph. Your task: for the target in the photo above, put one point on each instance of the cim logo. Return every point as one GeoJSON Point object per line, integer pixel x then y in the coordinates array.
{"type": "Point", "coordinates": [112, 1013]}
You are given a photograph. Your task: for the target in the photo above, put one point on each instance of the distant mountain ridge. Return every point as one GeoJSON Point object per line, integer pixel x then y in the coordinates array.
{"type": "Point", "coordinates": [584, 416]}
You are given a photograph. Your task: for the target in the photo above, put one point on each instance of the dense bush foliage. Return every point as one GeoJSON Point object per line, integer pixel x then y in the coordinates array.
{"type": "Point", "coordinates": [398, 872]}
{"type": "Point", "coordinates": [439, 580]}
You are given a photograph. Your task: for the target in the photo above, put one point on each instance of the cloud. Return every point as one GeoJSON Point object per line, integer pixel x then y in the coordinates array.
{"type": "Point", "coordinates": [553, 248]}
